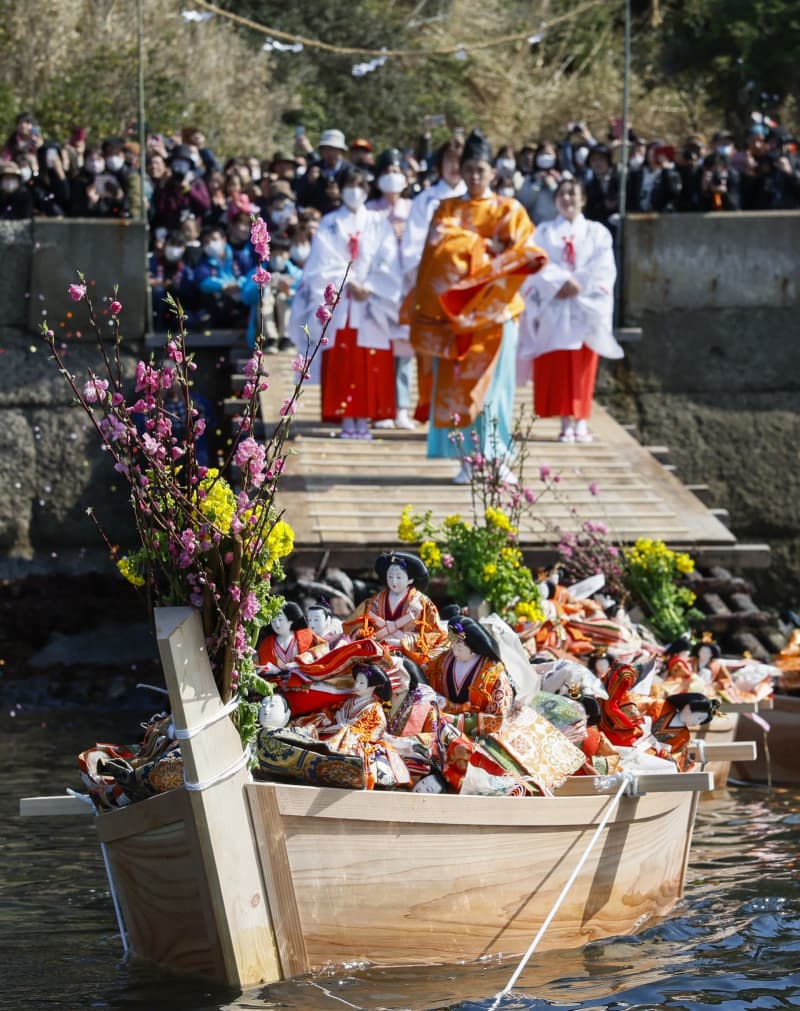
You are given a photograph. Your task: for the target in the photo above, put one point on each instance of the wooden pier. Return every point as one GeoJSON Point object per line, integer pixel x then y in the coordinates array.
{"type": "Point", "coordinates": [344, 497]}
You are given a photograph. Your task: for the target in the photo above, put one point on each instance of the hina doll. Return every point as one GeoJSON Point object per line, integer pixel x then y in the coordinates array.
{"type": "Point", "coordinates": [464, 309]}
{"type": "Point", "coordinates": [399, 616]}
{"type": "Point", "coordinates": [359, 728]}
{"type": "Point", "coordinates": [469, 677]}
{"type": "Point", "coordinates": [620, 717]}
{"type": "Point", "coordinates": [325, 625]}
{"type": "Point", "coordinates": [672, 719]}
{"type": "Point", "coordinates": [568, 318]}
{"type": "Point", "coordinates": [708, 665]}
{"type": "Point", "coordinates": [357, 370]}
{"type": "Point", "coordinates": [290, 641]}
{"type": "Point", "coordinates": [679, 673]}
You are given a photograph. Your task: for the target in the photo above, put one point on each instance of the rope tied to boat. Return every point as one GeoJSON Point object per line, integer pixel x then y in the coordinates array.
{"type": "Point", "coordinates": [627, 782]}
{"type": "Point", "coordinates": [699, 746]}
{"type": "Point", "coordinates": [186, 733]}
{"type": "Point", "coordinates": [241, 762]}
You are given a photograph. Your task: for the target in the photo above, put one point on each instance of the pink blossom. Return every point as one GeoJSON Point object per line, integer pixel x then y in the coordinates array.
{"type": "Point", "coordinates": [122, 468]}
{"type": "Point", "coordinates": [153, 448]}
{"type": "Point", "coordinates": [116, 308]}
{"type": "Point", "coordinates": [167, 377]}
{"type": "Point", "coordinates": [250, 606]}
{"type": "Point", "coordinates": [174, 352]}
{"type": "Point", "coordinates": [331, 295]}
{"type": "Point", "coordinates": [95, 390]}
{"type": "Point", "coordinates": [251, 368]}
{"type": "Point", "coordinates": [556, 478]}
{"type": "Point", "coordinates": [76, 292]}
{"type": "Point", "coordinates": [147, 378]}
{"type": "Point", "coordinates": [594, 488]}
{"type": "Point", "coordinates": [300, 363]}
{"type": "Point", "coordinates": [612, 550]}
{"type": "Point", "coordinates": [201, 472]}
{"type": "Point", "coordinates": [448, 561]}
{"type": "Point", "coordinates": [530, 496]}
{"type": "Point", "coordinates": [199, 427]}
{"type": "Point", "coordinates": [288, 407]}
{"type": "Point", "coordinates": [113, 429]}
{"type": "Point", "coordinates": [544, 473]}
{"type": "Point", "coordinates": [262, 277]}
{"type": "Point", "coordinates": [259, 236]}
{"type": "Point", "coordinates": [117, 400]}
{"type": "Point", "coordinates": [323, 313]}
{"type": "Point", "coordinates": [236, 592]}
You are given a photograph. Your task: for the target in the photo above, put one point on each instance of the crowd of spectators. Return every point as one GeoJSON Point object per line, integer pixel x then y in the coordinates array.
{"type": "Point", "coordinates": [199, 209]}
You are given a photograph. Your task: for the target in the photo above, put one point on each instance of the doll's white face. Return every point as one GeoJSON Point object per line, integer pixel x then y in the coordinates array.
{"type": "Point", "coordinates": [703, 656]}
{"type": "Point", "coordinates": [601, 667]}
{"type": "Point", "coordinates": [362, 685]}
{"type": "Point", "coordinates": [281, 624]}
{"type": "Point", "coordinates": [461, 650]}
{"type": "Point", "coordinates": [273, 712]}
{"type": "Point", "coordinates": [428, 784]}
{"type": "Point", "coordinates": [318, 621]}
{"type": "Point", "coordinates": [397, 579]}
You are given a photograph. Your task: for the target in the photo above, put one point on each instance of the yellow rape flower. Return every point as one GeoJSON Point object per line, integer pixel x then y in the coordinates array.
{"type": "Point", "coordinates": [684, 563]}
{"type": "Point", "coordinates": [430, 554]}
{"type": "Point", "coordinates": [489, 570]}
{"type": "Point", "coordinates": [406, 530]}
{"type": "Point", "coordinates": [219, 503]}
{"type": "Point", "coordinates": [128, 569]}
{"type": "Point", "coordinates": [497, 518]}
{"type": "Point", "coordinates": [452, 521]}
{"type": "Point", "coordinates": [280, 541]}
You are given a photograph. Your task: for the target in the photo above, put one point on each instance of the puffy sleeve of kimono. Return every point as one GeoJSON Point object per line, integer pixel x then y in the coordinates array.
{"type": "Point", "coordinates": [595, 303]}
{"type": "Point", "coordinates": [383, 276]}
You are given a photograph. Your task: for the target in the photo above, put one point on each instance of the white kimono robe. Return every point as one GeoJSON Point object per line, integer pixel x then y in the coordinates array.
{"type": "Point", "coordinates": [550, 324]}
{"type": "Point", "coordinates": [377, 266]}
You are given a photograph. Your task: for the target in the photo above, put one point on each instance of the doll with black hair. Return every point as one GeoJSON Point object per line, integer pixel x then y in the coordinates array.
{"type": "Point", "coordinates": [469, 676]}
{"type": "Point", "coordinates": [288, 641]}
{"type": "Point", "coordinates": [323, 623]}
{"type": "Point", "coordinates": [400, 616]}
{"type": "Point", "coordinates": [359, 727]}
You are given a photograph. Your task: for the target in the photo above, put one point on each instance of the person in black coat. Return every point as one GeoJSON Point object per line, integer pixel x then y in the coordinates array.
{"type": "Point", "coordinates": [16, 200]}
{"type": "Point", "coordinates": [656, 185]}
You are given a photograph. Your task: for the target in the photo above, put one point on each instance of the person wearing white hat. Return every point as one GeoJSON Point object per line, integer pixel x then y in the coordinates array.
{"type": "Point", "coordinates": [320, 185]}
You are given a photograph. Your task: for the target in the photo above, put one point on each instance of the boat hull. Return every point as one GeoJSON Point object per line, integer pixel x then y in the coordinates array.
{"type": "Point", "coordinates": [721, 730]}
{"type": "Point", "coordinates": [778, 761]}
{"type": "Point", "coordinates": [414, 879]}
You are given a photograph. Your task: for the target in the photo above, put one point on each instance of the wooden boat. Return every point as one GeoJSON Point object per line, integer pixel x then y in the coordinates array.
{"type": "Point", "coordinates": [249, 882]}
{"type": "Point", "coordinates": [778, 762]}
{"type": "Point", "coordinates": [716, 745]}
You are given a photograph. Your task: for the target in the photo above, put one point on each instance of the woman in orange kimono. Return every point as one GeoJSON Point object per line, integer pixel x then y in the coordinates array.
{"type": "Point", "coordinates": [464, 309]}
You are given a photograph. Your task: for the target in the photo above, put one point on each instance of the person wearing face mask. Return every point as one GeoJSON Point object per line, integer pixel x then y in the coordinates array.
{"type": "Point", "coordinates": [357, 368]}
{"type": "Point", "coordinates": [183, 192]}
{"type": "Point", "coordinates": [281, 214]}
{"type": "Point", "coordinates": [447, 169]}
{"type": "Point", "coordinates": [95, 192]}
{"type": "Point", "coordinates": [169, 273]}
{"type": "Point", "coordinates": [390, 182]}
{"type": "Point", "coordinates": [464, 312]}
{"type": "Point", "coordinates": [220, 281]}
{"type": "Point", "coordinates": [537, 192]}
{"type": "Point", "coordinates": [507, 178]}
{"type": "Point", "coordinates": [656, 184]}
{"type": "Point", "coordinates": [574, 149]}
{"type": "Point", "coordinates": [51, 188]}
{"type": "Point", "coordinates": [16, 201]}
{"type": "Point", "coordinates": [321, 184]}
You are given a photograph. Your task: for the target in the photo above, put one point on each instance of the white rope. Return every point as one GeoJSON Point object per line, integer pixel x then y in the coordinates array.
{"type": "Point", "coordinates": [123, 934]}
{"type": "Point", "coordinates": [334, 996]}
{"type": "Point", "coordinates": [240, 763]}
{"type": "Point", "coordinates": [153, 688]}
{"type": "Point", "coordinates": [699, 746]}
{"type": "Point", "coordinates": [627, 780]}
{"type": "Point", "coordinates": [183, 735]}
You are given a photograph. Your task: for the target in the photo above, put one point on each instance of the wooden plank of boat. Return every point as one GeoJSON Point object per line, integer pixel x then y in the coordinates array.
{"type": "Point", "coordinates": [47, 807]}
{"type": "Point", "coordinates": [777, 760]}
{"type": "Point", "coordinates": [733, 751]}
{"type": "Point", "coordinates": [747, 707]}
{"type": "Point", "coordinates": [720, 730]}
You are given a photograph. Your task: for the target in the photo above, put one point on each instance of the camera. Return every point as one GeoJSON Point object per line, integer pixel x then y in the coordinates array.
{"type": "Point", "coordinates": [718, 178]}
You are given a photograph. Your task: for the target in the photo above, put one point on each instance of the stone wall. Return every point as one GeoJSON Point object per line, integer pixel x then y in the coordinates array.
{"type": "Point", "coordinates": [716, 376]}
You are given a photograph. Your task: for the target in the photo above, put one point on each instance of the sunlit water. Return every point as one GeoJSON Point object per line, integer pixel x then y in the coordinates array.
{"type": "Point", "coordinates": [733, 942]}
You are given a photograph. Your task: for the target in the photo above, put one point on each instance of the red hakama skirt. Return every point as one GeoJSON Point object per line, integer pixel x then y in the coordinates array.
{"type": "Point", "coordinates": [356, 382]}
{"type": "Point", "coordinates": [563, 383]}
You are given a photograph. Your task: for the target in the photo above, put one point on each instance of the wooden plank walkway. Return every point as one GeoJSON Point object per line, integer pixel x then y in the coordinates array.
{"type": "Point", "coordinates": [345, 497]}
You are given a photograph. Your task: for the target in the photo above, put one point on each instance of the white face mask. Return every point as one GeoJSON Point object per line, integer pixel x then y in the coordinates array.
{"type": "Point", "coordinates": [506, 191]}
{"type": "Point", "coordinates": [283, 216]}
{"type": "Point", "coordinates": [580, 155]}
{"type": "Point", "coordinates": [8, 184]}
{"type": "Point", "coordinates": [545, 161]}
{"type": "Point", "coordinates": [95, 166]}
{"type": "Point", "coordinates": [392, 182]}
{"type": "Point", "coordinates": [114, 162]}
{"type": "Point", "coordinates": [215, 249]}
{"type": "Point", "coordinates": [173, 253]}
{"type": "Point", "coordinates": [636, 162]}
{"type": "Point", "coordinates": [299, 253]}
{"type": "Point", "coordinates": [725, 149]}
{"type": "Point", "coordinates": [278, 263]}
{"type": "Point", "coordinates": [354, 197]}
{"type": "Point", "coordinates": [506, 166]}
